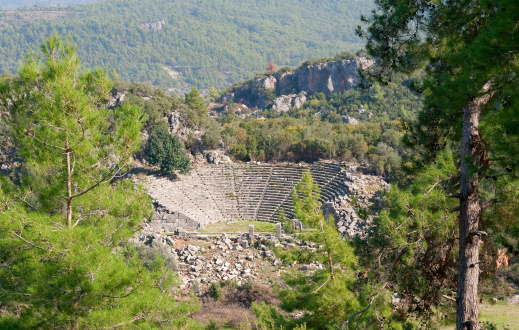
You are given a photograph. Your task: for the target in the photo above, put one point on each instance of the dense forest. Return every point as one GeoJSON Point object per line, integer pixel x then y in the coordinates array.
{"type": "Point", "coordinates": [200, 43]}
{"type": "Point", "coordinates": [13, 4]}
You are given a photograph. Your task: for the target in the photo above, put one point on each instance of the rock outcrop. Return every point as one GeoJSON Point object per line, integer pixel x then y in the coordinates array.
{"type": "Point", "coordinates": [327, 78]}
{"type": "Point", "coordinates": [285, 102]}
{"type": "Point", "coordinates": [155, 26]}
{"type": "Point", "coordinates": [349, 120]}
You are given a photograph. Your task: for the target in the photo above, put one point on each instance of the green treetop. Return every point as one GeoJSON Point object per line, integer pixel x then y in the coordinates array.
{"type": "Point", "coordinates": [166, 151]}
{"type": "Point", "coordinates": [327, 296]}
{"type": "Point", "coordinates": [66, 135]}
{"type": "Point", "coordinates": [468, 50]}
{"type": "Point", "coordinates": [64, 245]}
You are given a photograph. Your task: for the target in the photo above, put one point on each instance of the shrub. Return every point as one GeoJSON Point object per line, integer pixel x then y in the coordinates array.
{"type": "Point", "coordinates": [195, 286]}
{"type": "Point", "coordinates": [215, 292]}
{"type": "Point", "coordinates": [155, 249]}
{"type": "Point", "coordinates": [239, 151]}
{"type": "Point", "coordinates": [166, 151]}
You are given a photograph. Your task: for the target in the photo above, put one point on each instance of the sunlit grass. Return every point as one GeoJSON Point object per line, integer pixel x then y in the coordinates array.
{"type": "Point", "coordinates": [238, 226]}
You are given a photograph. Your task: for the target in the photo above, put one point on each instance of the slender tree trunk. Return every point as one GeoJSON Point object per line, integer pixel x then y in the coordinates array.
{"type": "Point", "coordinates": [69, 186]}
{"type": "Point", "coordinates": [470, 212]}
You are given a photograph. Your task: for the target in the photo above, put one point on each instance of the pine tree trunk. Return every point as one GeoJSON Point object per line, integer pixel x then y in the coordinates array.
{"type": "Point", "coordinates": [69, 186]}
{"type": "Point", "coordinates": [470, 212]}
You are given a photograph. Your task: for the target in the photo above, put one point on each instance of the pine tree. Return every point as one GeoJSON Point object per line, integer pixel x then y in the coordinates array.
{"type": "Point", "coordinates": [327, 296]}
{"type": "Point", "coordinates": [468, 50]}
{"type": "Point", "coordinates": [65, 134]}
{"type": "Point", "coordinates": [196, 113]}
{"type": "Point", "coordinates": [66, 261]}
{"type": "Point", "coordinates": [166, 151]}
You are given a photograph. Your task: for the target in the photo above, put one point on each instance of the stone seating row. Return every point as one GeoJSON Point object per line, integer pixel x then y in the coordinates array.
{"type": "Point", "coordinates": [249, 192]}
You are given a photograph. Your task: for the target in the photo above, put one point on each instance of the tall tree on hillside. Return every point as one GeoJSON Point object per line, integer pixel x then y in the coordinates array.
{"type": "Point", "coordinates": [197, 111]}
{"type": "Point", "coordinates": [469, 51]}
{"type": "Point", "coordinates": [64, 131]}
{"type": "Point", "coordinates": [328, 295]}
{"type": "Point", "coordinates": [66, 260]}
{"type": "Point", "coordinates": [166, 151]}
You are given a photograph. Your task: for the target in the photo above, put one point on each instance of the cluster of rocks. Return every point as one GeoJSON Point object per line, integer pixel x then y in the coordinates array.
{"type": "Point", "coordinates": [155, 26]}
{"type": "Point", "coordinates": [216, 157]}
{"type": "Point", "coordinates": [350, 120]}
{"type": "Point", "coordinates": [238, 258]}
{"type": "Point", "coordinates": [284, 103]}
{"type": "Point", "coordinates": [116, 99]}
{"type": "Point", "coordinates": [362, 194]}
{"type": "Point", "coordinates": [350, 224]}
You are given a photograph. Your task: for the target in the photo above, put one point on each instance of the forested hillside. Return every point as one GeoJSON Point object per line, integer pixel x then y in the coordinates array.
{"type": "Point", "coordinates": [13, 4]}
{"type": "Point", "coordinates": [202, 43]}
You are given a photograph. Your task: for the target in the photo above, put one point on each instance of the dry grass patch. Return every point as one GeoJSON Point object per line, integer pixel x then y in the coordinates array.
{"type": "Point", "coordinates": [232, 309]}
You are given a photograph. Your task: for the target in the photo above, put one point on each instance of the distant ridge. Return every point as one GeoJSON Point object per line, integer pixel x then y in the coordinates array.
{"type": "Point", "coordinates": [208, 43]}
{"type": "Point", "coordinates": [13, 4]}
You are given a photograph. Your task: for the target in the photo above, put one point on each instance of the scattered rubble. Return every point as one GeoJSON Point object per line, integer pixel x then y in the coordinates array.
{"type": "Point", "coordinates": [204, 260]}
{"type": "Point", "coordinates": [362, 195]}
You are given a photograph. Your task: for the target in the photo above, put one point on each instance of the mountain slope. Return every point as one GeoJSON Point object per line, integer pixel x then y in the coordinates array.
{"type": "Point", "coordinates": [202, 43]}
{"type": "Point", "coordinates": [13, 4]}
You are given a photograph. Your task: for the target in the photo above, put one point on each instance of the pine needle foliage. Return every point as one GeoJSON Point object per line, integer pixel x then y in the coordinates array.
{"type": "Point", "coordinates": [412, 250]}
{"type": "Point", "coordinates": [69, 140]}
{"type": "Point", "coordinates": [87, 276]}
{"type": "Point", "coordinates": [327, 296]}
{"type": "Point", "coordinates": [79, 272]}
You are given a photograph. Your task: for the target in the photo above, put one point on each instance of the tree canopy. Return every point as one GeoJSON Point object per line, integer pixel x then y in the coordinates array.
{"type": "Point", "coordinates": [64, 269]}
{"type": "Point", "coordinates": [468, 51]}
{"type": "Point", "coordinates": [166, 151]}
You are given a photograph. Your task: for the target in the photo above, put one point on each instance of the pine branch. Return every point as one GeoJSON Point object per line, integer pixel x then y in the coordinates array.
{"type": "Point", "coordinates": [489, 203]}
{"type": "Point", "coordinates": [26, 241]}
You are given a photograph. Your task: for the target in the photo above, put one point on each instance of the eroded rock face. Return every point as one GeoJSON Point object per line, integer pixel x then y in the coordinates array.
{"type": "Point", "coordinates": [327, 78]}
{"type": "Point", "coordinates": [286, 102]}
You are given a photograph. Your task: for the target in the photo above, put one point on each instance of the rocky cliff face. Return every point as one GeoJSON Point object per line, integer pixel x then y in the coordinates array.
{"type": "Point", "coordinates": [287, 89]}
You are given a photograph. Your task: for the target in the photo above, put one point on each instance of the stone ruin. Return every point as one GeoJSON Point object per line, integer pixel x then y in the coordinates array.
{"type": "Point", "coordinates": [206, 259]}
{"type": "Point", "coordinates": [253, 191]}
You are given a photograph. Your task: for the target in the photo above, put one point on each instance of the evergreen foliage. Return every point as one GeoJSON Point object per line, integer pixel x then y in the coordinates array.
{"type": "Point", "coordinates": [327, 296]}
{"type": "Point", "coordinates": [76, 270]}
{"type": "Point", "coordinates": [214, 292]}
{"type": "Point", "coordinates": [412, 248]}
{"type": "Point", "coordinates": [468, 50]}
{"type": "Point", "coordinates": [166, 151]}
{"type": "Point", "coordinates": [86, 276]}
{"type": "Point", "coordinates": [70, 142]}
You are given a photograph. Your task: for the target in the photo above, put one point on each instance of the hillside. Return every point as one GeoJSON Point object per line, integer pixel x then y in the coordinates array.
{"type": "Point", "coordinates": [13, 4]}
{"type": "Point", "coordinates": [201, 43]}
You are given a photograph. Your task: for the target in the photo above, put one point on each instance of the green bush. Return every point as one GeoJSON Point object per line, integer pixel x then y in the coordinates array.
{"type": "Point", "coordinates": [215, 292]}
{"type": "Point", "coordinates": [150, 253]}
{"type": "Point", "coordinates": [239, 151]}
{"type": "Point", "coordinates": [166, 151]}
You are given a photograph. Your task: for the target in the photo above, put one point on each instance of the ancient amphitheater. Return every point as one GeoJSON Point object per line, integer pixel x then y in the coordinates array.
{"type": "Point", "coordinates": [214, 193]}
